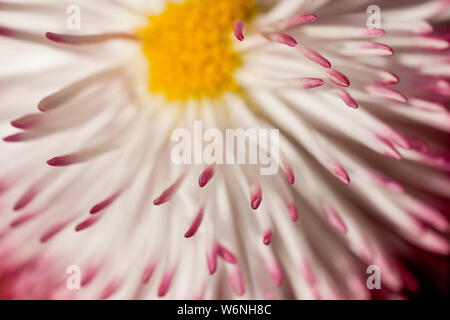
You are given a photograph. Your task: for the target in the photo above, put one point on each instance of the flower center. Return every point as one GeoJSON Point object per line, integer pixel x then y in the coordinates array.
{"type": "Point", "coordinates": [189, 48]}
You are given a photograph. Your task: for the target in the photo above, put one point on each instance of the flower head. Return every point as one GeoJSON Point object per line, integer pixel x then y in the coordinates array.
{"type": "Point", "coordinates": [87, 178]}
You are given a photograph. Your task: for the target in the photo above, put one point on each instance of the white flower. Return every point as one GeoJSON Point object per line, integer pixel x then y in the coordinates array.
{"type": "Point", "coordinates": [364, 157]}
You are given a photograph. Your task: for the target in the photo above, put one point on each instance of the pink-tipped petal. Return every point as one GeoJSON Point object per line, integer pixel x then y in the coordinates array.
{"type": "Point", "coordinates": [335, 219]}
{"type": "Point", "coordinates": [387, 183]}
{"type": "Point", "coordinates": [27, 122]}
{"type": "Point", "coordinates": [87, 223]}
{"type": "Point", "coordinates": [89, 275]}
{"type": "Point", "coordinates": [53, 231]}
{"type": "Point", "coordinates": [195, 224]}
{"type": "Point", "coordinates": [17, 137]}
{"type": "Point", "coordinates": [169, 192]}
{"type": "Point", "coordinates": [274, 270]}
{"type": "Point", "coordinates": [226, 254]}
{"type": "Point", "coordinates": [314, 56]}
{"type": "Point", "coordinates": [110, 289]}
{"type": "Point", "coordinates": [211, 259]}
{"type": "Point", "coordinates": [337, 170]}
{"type": "Point", "coordinates": [255, 196]}
{"type": "Point", "coordinates": [63, 161]}
{"type": "Point", "coordinates": [374, 32]}
{"type": "Point", "coordinates": [267, 238]}
{"type": "Point", "coordinates": [347, 98]}
{"type": "Point", "coordinates": [387, 94]}
{"type": "Point", "coordinates": [338, 78]}
{"type": "Point", "coordinates": [293, 211]}
{"type": "Point", "coordinates": [304, 83]}
{"type": "Point", "coordinates": [307, 273]}
{"type": "Point", "coordinates": [281, 38]}
{"type": "Point", "coordinates": [26, 198]}
{"type": "Point", "coordinates": [239, 27]}
{"type": "Point", "coordinates": [105, 203]}
{"type": "Point", "coordinates": [165, 283]}
{"type": "Point", "coordinates": [148, 272]}
{"type": "Point", "coordinates": [22, 219]}
{"type": "Point", "coordinates": [87, 39]}
{"type": "Point", "coordinates": [296, 20]}
{"type": "Point", "coordinates": [236, 280]}
{"type": "Point", "coordinates": [206, 176]}
{"type": "Point", "coordinates": [288, 172]}
{"type": "Point", "coordinates": [375, 49]}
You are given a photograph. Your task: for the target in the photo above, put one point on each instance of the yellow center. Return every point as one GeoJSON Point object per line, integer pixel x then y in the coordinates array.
{"type": "Point", "coordinates": [189, 48]}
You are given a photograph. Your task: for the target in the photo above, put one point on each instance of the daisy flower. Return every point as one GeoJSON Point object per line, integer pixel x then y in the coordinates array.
{"type": "Point", "coordinates": [91, 92]}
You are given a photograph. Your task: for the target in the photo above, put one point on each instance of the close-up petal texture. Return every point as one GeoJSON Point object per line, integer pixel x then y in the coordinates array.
{"type": "Point", "coordinates": [93, 95]}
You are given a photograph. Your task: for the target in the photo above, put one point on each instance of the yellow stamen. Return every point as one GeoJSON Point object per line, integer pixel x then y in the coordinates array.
{"type": "Point", "coordinates": [189, 48]}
